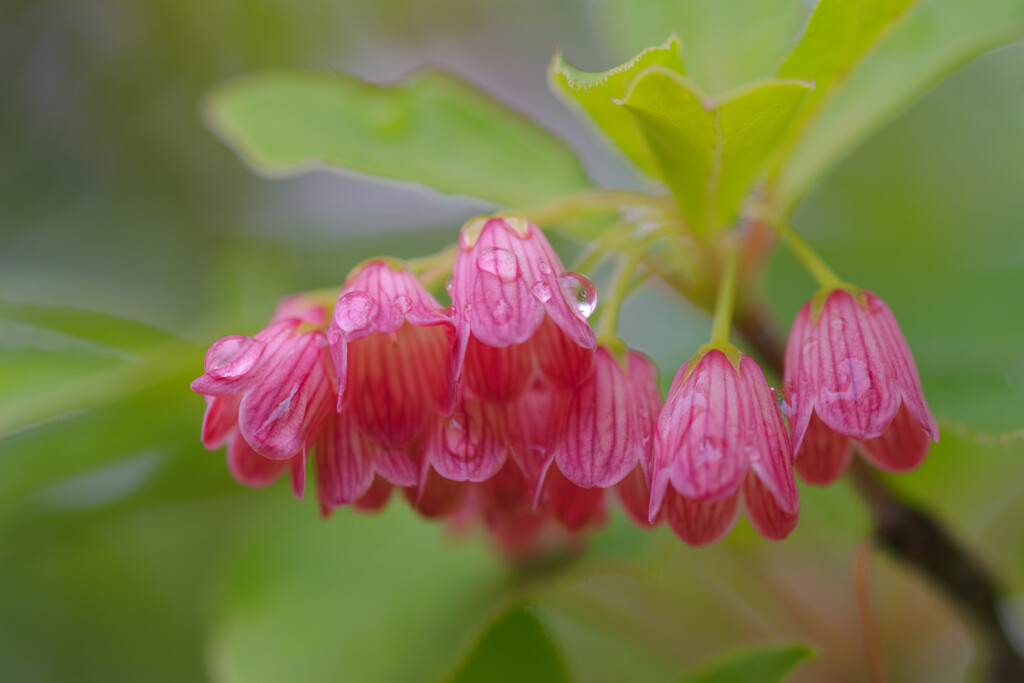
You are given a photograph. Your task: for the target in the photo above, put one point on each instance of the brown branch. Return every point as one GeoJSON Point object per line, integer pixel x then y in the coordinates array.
{"type": "Point", "coordinates": [913, 534]}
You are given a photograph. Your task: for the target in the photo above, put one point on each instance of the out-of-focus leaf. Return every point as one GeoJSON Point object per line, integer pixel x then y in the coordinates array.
{"type": "Point", "coordinates": [764, 665]}
{"type": "Point", "coordinates": [710, 150]}
{"type": "Point", "coordinates": [431, 129]}
{"type": "Point", "coordinates": [515, 648]}
{"type": "Point", "coordinates": [364, 598]}
{"type": "Point", "coordinates": [935, 37]}
{"type": "Point", "coordinates": [724, 44]}
{"type": "Point", "coordinates": [595, 94]}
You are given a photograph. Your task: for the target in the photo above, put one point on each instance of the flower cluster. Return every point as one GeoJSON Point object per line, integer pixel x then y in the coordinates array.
{"type": "Point", "coordinates": [503, 409]}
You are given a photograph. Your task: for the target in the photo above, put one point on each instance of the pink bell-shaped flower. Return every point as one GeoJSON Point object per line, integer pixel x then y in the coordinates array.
{"type": "Point", "coordinates": [273, 387]}
{"type": "Point", "coordinates": [519, 313]}
{"type": "Point", "coordinates": [720, 440]}
{"type": "Point", "coordinates": [609, 421]}
{"type": "Point", "coordinates": [850, 375]}
{"type": "Point", "coordinates": [392, 346]}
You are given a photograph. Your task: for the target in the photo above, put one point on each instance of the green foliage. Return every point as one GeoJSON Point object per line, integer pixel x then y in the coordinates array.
{"type": "Point", "coordinates": [598, 94]}
{"type": "Point", "coordinates": [765, 665]}
{"type": "Point", "coordinates": [924, 45]}
{"type": "Point", "coordinates": [515, 648]}
{"type": "Point", "coordinates": [431, 129]}
{"type": "Point", "coordinates": [710, 150]}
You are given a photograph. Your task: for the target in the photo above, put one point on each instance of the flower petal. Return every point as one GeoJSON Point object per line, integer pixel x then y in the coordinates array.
{"type": "Point", "coordinates": [635, 496]}
{"type": "Point", "coordinates": [396, 466]}
{"type": "Point", "coordinates": [606, 433]}
{"type": "Point", "coordinates": [700, 523]}
{"type": "Point", "coordinates": [572, 506]}
{"type": "Point", "coordinates": [799, 390]}
{"type": "Point", "coordinates": [219, 419]}
{"type": "Point", "coordinates": [375, 498]}
{"type": "Point", "coordinates": [824, 456]}
{"type": "Point", "coordinates": [281, 411]}
{"type": "Point", "coordinates": [230, 366]}
{"type": "Point", "coordinates": [535, 426]}
{"type": "Point", "coordinates": [344, 462]}
{"type": "Point", "coordinates": [766, 442]}
{"type": "Point", "coordinates": [764, 511]}
{"type": "Point", "coordinates": [298, 475]}
{"type": "Point", "coordinates": [248, 467]}
{"type": "Point", "coordinates": [437, 496]}
{"type": "Point", "coordinates": [559, 358]}
{"type": "Point", "coordinates": [471, 444]}
{"type": "Point", "coordinates": [857, 394]}
{"type": "Point", "coordinates": [901, 447]}
{"type": "Point", "coordinates": [497, 374]}
{"type": "Point", "coordinates": [894, 346]}
{"type": "Point", "coordinates": [698, 439]}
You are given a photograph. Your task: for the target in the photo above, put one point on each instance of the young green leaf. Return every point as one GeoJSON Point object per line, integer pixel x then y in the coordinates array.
{"type": "Point", "coordinates": [431, 129]}
{"type": "Point", "coordinates": [763, 665]}
{"type": "Point", "coordinates": [515, 648]}
{"type": "Point", "coordinates": [934, 38]}
{"type": "Point", "coordinates": [710, 150]}
{"type": "Point", "coordinates": [594, 94]}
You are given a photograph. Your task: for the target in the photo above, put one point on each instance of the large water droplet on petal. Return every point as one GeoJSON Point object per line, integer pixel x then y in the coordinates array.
{"type": "Point", "coordinates": [232, 357]}
{"type": "Point", "coordinates": [499, 262]}
{"type": "Point", "coordinates": [580, 292]}
{"type": "Point", "coordinates": [545, 268]}
{"type": "Point", "coordinates": [355, 311]}
{"type": "Point", "coordinates": [403, 304]}
{"type": "Point", "coordinates": [502, 312]}
{"type": "Point", "coordinates": [542, 292]}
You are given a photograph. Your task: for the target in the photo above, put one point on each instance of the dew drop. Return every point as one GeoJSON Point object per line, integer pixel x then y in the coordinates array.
{"type": "Point", "coordinates": [403, 303]}
{"type": "Point", "coordinates": [355, 311]}
{"type": "Point", "coordinates": [502, 312]}
{"type": "Point", "coordinates": [448, 285]}
{"type": "Point", "coordinates": [580, 292]}
{"type": "Point", "coordinates": [545, 268]}
{"type": "Point", "coordinates": [467, 311]}
{"type": "Point", "coordinates": [837, 323]}
{"type": "Point", "coordinates": [498, 262]}
{"type": "Point", "coordinates": [232, 357]}
{"type": "Point", "coordinates": [541, 292]}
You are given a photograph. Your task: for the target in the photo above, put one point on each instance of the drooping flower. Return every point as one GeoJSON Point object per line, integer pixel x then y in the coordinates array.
{"type": "Point", "coordinates": [849, 374]}
{"type": "Point", "coordinates": [392, 348]}
{"type": "Point", "coordinates": [268, 395]}
{"type": "Point", "coordinates": [519, 314]}
{"type": "Point", "coordinates": [609, 421]}
{"type": "Point", "coordinates": [720, 441]}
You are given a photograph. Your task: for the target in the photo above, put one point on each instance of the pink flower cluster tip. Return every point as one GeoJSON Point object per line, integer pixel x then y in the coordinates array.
{"type": "Point", "coordinates": [501, 410]}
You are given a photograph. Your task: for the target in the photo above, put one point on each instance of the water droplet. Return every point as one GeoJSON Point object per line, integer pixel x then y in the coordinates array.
{"type": "Point", "coordinates": [467, 311]}
{"type": "Point", "coordinates": [710, 452]}
{"type": "Point", "coordinates": [448, 285]}
{"type": "Point", "coordinates": [542, 292]}
{"type": "Point", "coordinates": [502, 312]}
{"type": "Point", "coordinates": [545, 268]}
{"type": "Point", "coordinates": [355, 311]}
{"type": "Point", "coordinates": [403, 304]}
{"type": "Point", "coordinates": [580, 292]}
{"type": "Point", "coordinates": [499, 262]}
{"type": "Point", "coordinates": [232, 357]}
{"type": "Point", "coordinates": [837, 323]}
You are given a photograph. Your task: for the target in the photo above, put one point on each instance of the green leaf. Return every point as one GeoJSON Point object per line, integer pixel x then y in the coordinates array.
{"type": "Point", "coordinates": [515, 648]}
{"type": "Point", "coordinates": [595, 93]}
{"type": "Point", "coordinates": [724, 44]}
{"type": "Point", "coordinates": [934, 38]}
{"type": "Point", "coordinates": [431, 129]}
{"type": "Point", "coordinates": [764, 665]}
{"type": "Point", "coordinates": [364, 598]}
{"type": "Point", "coordinates": [710, 150]}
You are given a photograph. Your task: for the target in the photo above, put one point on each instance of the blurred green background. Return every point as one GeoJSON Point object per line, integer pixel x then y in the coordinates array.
{"type": "Point", "coordinates": [126, 551]}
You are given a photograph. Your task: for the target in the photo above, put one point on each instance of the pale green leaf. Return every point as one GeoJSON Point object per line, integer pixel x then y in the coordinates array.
{"type": "Point", "coordinates": [724, 44]}
{"type": "Point", "coordinates": [711, 150]}
{"type": "Point", "coordinates": [431, 129]}
{"type": "Point", "coordinates": [935, 37]}
{"type": "Point", "coordinates": [764, 665]}
{"type": "Point", "coordinates": [594, 94]}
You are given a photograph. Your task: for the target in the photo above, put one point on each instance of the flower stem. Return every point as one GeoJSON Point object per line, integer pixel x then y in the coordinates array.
{"type": "Point", "coordinates": [625, 280]}
{"type": "Point", "coordinates": [591, 200]}
{"type": "Point", "coordinates": [725, 303]}
{"type": "Point", "coordinates": [816, 265]}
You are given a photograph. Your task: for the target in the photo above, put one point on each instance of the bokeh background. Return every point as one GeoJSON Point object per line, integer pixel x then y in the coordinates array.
{"type": "Point", "coordinates": [126, 551]}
